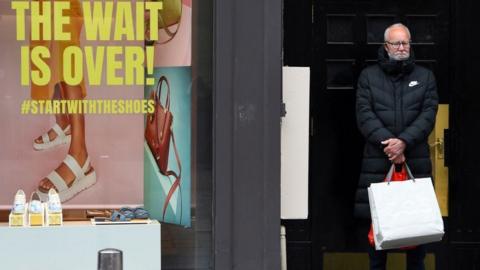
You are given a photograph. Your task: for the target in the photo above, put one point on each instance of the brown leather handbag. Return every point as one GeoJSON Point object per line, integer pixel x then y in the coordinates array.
{"type": "Point", "coordinates": [158, 132]}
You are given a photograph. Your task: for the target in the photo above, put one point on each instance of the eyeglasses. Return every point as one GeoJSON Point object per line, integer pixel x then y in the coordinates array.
{"type": "Point", "coordinates": [396, 45]}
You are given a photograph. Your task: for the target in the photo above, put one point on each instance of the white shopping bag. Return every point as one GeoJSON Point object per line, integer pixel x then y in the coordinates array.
{"type": "Point", "coordinates": [404, 213]}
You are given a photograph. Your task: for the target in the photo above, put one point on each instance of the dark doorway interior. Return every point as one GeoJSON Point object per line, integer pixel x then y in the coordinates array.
{"type": "Point", "coordinates": [337, 39]}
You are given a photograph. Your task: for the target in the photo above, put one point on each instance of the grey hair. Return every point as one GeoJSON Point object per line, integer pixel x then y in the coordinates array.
{"type": "Point", "coordinates": [396, 25]}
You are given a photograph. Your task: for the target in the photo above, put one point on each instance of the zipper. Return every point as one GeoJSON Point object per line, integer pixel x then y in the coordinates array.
{"type": "Point", "coordinates": [403, 89]}
{"type": "Point", "coordinates": [395, 106]}
{"type": "Point", "coordinates": [401, 106]}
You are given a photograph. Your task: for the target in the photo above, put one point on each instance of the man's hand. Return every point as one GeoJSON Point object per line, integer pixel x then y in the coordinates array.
{"type": "Point", "coordinates": [394, 148]}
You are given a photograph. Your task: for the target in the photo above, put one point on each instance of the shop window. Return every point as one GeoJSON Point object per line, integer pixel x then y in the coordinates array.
{"type": "Point", "coordinates": [140, 140]}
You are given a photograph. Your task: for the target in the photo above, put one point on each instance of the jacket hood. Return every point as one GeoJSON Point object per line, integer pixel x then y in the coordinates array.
{"type": "Point", "coordinates": [395, 67]}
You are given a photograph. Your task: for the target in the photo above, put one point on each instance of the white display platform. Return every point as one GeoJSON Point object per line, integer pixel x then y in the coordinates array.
{"type": "Point", "coordinates": [75, 246]}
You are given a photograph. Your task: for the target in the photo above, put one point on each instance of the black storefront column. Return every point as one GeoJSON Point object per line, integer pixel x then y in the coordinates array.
{"type": "Point", "coordinates": [247, 97]}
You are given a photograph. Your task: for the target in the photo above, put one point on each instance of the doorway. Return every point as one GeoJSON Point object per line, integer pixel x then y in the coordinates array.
{"type": "Point", "coordinates": [337, 39]}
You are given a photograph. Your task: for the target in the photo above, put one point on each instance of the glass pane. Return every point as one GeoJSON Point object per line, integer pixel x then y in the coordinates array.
{"type": "Point", "coordinates": [422, 28]}
{"type": "Point", "coordinates": [140, 138]}
{"type": "Point", "coordinates": [340, 74]}
{"type": "Point", "coordinates": [340, 28]}
{"type": "Point", "coordinates": [189, 246]}
{"type": "Point", "coordinates": [376, 25]}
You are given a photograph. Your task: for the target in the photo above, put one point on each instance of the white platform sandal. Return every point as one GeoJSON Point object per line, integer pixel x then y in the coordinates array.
{"type": "Point", "coordinates": [54, 204]}
{"type": "Point", "coordinates": [19, 202]}
{"type": "Point", "coordinates": [83, 180]}
{"type": "Point", "coordinates": [60, 139]}
{"type": "Point", "coordinates": [35, 205]}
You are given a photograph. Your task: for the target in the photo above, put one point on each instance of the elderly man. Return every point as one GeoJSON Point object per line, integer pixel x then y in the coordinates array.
{"type": "Point", "coordinates": [396, 107]}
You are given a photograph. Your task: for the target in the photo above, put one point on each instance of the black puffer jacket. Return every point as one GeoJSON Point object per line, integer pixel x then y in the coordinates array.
{"type": "Point", "coordinates": [395, 99]}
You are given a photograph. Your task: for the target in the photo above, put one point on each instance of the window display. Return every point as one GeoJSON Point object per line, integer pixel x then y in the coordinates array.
{"type": "Point", "coordinates": [107, 116]}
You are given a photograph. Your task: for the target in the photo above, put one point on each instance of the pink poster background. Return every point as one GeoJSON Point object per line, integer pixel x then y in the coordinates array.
{"type": "Point", "coordinates": [178, 51]}
{"type": "Point", "coordinates": [114, 142]}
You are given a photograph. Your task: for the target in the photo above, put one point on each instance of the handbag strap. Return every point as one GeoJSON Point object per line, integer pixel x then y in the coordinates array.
{"type": "Point", "coordinates": [392, 168]}
{"type": "Point", "coordinates": [158, 93]}
{"type": "Point", "coordinates": [171, 34]}
{"type": "Point", "coordinates": [176, 183]}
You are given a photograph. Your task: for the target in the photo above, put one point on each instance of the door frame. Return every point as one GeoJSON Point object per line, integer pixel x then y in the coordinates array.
{"type": "Point", "coordinates": [246, 134]}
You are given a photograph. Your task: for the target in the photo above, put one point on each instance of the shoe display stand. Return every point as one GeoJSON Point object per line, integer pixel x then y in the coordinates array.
{"type": "Point", "coordinates": [37, 219]}
{"type": "Point", "coordinates": [45, 218]}
{"type": "Point", "coordinates": [18, 220]}
{"type": "Point", "coordinates": [53, 219]}
{"type": "Point", "coordinates": [75, 245]}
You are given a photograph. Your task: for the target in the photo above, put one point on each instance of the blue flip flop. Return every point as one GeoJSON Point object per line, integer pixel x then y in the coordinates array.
{"type": "Point", "coordinates": [118, 216]}
{"type": "Point", "coordinates": [127, 212]}
{"type": "Point", "coordinates": [134, 213]}
{"type": "Point", "coordinates": [141, 213]}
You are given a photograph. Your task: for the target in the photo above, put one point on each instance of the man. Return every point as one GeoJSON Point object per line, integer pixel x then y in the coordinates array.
{"type": "Point", "coordinates": [396, 107]}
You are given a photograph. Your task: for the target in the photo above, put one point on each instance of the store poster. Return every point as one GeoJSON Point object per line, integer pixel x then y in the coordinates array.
{"type": "Point", "coordinates": [112, 99]}
{"type": "Point", "coordinates": [168, 195]}
{"type": "Point", "coordinates": [167, 191]}
{"type": "Point", "coordinates": [174, 47]}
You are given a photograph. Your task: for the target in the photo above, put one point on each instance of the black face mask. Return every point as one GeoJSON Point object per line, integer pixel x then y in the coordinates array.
{"type": "Point", "coordinates": [395, 67]}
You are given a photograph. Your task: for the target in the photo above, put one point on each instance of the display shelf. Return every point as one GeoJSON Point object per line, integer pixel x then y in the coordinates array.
{"type": "Point", "coordinates": [75, 245]}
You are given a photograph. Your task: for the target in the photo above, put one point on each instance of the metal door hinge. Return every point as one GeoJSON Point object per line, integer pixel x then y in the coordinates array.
{"type": "Point", "coordinates": [283, 110]}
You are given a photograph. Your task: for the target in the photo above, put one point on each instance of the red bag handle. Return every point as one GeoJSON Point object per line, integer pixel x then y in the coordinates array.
{"type": "Point", "coordinates": [388, 178]}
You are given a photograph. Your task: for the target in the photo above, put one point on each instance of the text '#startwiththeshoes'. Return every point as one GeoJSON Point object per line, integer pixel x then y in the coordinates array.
{"type": "Point", "coordinates": [92, 106]}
